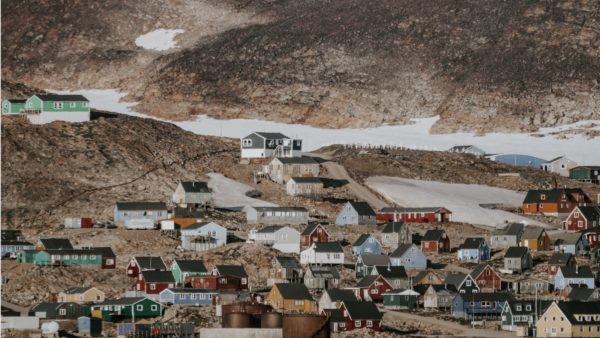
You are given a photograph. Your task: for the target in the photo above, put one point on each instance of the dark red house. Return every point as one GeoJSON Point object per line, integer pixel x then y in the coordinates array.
{"type": "Point", "coordinates": [582, 218]}
{"type": "Point", "coordinates": [313, 233]}
{"type": "Point", "coordinates": [358, 315]}
{"type": "Point", "coordinates": [414, 215]}
{"type": "Point", "coordinates": [435, 241]}
{"type": "Point", "coordinates": [109, 259]}
{"type": "Point", "coordinates": [591, 235]}
{"type": "Point", "coordinates": [486, 278]}
{"type": "Point", "coordinates": [153, 282]}
{"type": "Point", "coordinates": [145, 263]}
{"type": "Point", "coordinates": [223, 282]}
{"type": "Point", "coordinates": [371, 288]}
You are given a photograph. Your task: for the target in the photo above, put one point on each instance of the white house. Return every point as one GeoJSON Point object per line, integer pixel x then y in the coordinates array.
{"type": "Point", "coordinates": [282, 238]}
{"type": "Point", "coordinates": [203, 236]}
{"type": "Point", "coordinates": [193, 193]}
{"type": "Point", "coordinates": [266, 145]}
{"type": "Point", "coordinates": [323, 253]}
{"type": "Point", "coordinates": [560, 165]}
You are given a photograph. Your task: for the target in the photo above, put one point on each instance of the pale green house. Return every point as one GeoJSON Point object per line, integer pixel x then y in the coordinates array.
{"type": "Point", "coordinates": [183, 268]}
{"type": "Point", "coordinates": [45, 108]}
{"type": "Point", "coordinates": [12, 107]}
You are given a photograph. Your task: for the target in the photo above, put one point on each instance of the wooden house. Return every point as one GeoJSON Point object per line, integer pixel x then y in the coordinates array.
{"type": "Point", "coordinates": [518, 259]}
{"type": "Point", "coordinates": [474, 249]}
{"type": "Point", "coordinates": [109, 259]}
{"type": "Point", "coordinates": [283, 238]}
{"type": "Point", "coordinates": [394, 234]}
{"type": "Point", "coordinates": [400, 299]}
{"type": "Point", "coordinates": [282, 169]}
{"type": "Point", "coordinates": [285, 269]}
{"type": "Point", "coordinates": [435, 241]}
{"type": "Point", "coordinates": [144, 263]}
{"type": "Point", "coordinates": [521, 314]}
{"type": "Point", "coordinates": [574, 243]}
{"type": "Point", "coordinates": [313, 233]}
{"type": "Point", "coordinates": [59, 310]}
{"type": "Point", "coordinates": [409, 256]}
{"type": "Point", "coordinates": [357, 315]}
{"type": "Point", "coordinates": [366, 243]}
{"type": "Point", "coordinates": [461, 282]}
{"type": "Point", "coordinates": [291, 297]}
{"type": "Point", "coordinates": [46, 108]}
{"type": "Point", "coordinates": [184, 217]}
{"type": "Point", "coordinates": [139, 215]}
{"type": "Point", "coordinates": [88, 258]}
{"type": "Point", "coordinates": [12, 106]}
{"type": "Point", "coordinates": [276, 215]}
{"type": "Point", "coordinates": [203, 236]}
{"type": "Point", "coordinates": [332, 298]}
{"type": "Point", "coordinates": [536, 239]}
{"type": "Point", "coordinates": [321, 277]}
{"type": "Point", "coordinates": [356, 213]}
{"type": "Point", "coordinates": [183, 268]}
{"type": "Point", "coordinates": [578, 275]}
{"type": "Point", "coordinates": [479, 305]}
{"type": "Point", "coordinates": [559, 259]}
{"type": "Point", "coordinates": [371, 288]}
{"type": "Point", "coordinates": [570, 319]}
{"type": "Point", "coordinates": [427, 277]}
{"type": "Point", "coordinates": [192, 194]}
{"type": "Point", "coordinates": [233, 272]}
{"type": "Point", "coordinates": [487, 279]}
{"type": "Point", "coordinates": [582, 218]}
{"type": "Point", "coordinates": [531, 285]}
{"type": "Point", "coordinates": [187, 296]}
{"type": "Point", "coordinates": [438, 297]}
{"type": "Point", "coordinates": [365, 263]}
{"type": "Point", "coordinates": [266, 145]}
{"type": "Point", "coordinates": [396, 276]}
{"type": "Point", "coordinates": [153, 282]}
{"type": "Point", "coordinates": [81, 295]}
{"type": "Point", "coordinates": [559, 165]}
{"type": "Point", "coordinates": [586, 173]}
{"type": "Point", "coordinates": [554, 202]}
{"type": "Point", "coordinates": [507, 236]}
{"type": "Point", "coordinates": [127, 308]}
{"type": "Point", "coordinates": [222, 278]}
{"type": "Point", "coordinates": [305, 186]}
{"type": "Point", "coordinates": [323, 253]}
{"type": "Point", "coordinates": [414, 215]}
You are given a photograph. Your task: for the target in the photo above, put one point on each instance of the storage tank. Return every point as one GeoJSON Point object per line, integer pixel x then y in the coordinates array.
{"type": "Point", "coordinates": [306, 326]}
{"type": "Point", "coordinates": [271, 320]}
{"type": "Point", "coordinates": [237, 320]}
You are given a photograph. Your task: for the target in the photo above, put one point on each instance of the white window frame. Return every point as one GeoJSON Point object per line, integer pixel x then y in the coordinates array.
{"type": "Point", "coordinates": [86, 104]}
{"type": "Point", "coordinates": [62, 312]}
{"type": "Point", "coordinates": [369, 323]}
{"type": "Point", "coordinates": [139, 307]}
{"type": "Point", "coordinates": [357, 323]}
{"type": "Point", "coordinates": [58, 105]}
{"type": "Point", "coordinates": [153, 307]}
{"type": "Point", "coordinates": [72, 104]}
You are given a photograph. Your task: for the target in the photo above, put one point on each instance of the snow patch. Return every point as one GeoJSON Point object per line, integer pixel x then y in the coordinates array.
{"type": "Point", "coordinates": [230, 194]}
{"type": "Point", "coordinates": [462, 199]}
{"type": "Point", "coordinates": [160, 39]}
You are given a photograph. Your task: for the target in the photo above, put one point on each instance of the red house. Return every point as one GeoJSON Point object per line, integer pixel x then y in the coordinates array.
{"type": "Point", "coordinates": [435, 241]}
{"type": "Point", "coordinates": [223, 282]}
{"type": "Point", "coordinates": [314, 233]}
{"type": "Point", "coordinates": [486, 278]}
{"type": "Point", "coordinates": [591, 235]}
{"type": "Point", "coordinates": [582, 218]}
{"type": "Point", "coordinates": [109, 259]}
{"type": "Point", "coordinates": [414, 215]}
{"type": "Point", "coordinates": [146, 263]}
{"type": "Point", "coordinates": [153, 282]}
{"type": "Point", "coordinates": [371, 288]}
{"type": "Point", "coordinates": [358, 315]}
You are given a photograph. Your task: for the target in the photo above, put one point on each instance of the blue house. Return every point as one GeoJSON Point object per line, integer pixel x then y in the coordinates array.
{"type": "Point", "coordinates": [474, 306]}
{"type": "Point", "coordinates": [203, 236]}
{"type": "Point", "coordinates": [10, 249]}
{"type": "Point", "coordinates": [409, 256]}
{"type": "Point", "coordinates": [572, 242]}
{"type": "Point", "coordinates": [573, 275]}
{"type": "Point", "coordinates": [366, 243]}
{"type": "Point", "coordinates": [187, 296]}
{"type": "Point", "coordinates": [356, 213]}
{"type": "Point", "coordinates": [474, 249]}
{"type": "Point", "coordinates": [139, 215]}
{"type": "Point", "coordinates": [366, 263]}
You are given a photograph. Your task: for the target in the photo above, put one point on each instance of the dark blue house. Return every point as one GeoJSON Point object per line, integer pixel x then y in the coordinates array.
{"type": "Point", "coordinates": [479, 305]}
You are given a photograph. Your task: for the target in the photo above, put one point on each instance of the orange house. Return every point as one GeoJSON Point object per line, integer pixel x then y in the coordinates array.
{"type": "Point", "coordinates": [554, 202]}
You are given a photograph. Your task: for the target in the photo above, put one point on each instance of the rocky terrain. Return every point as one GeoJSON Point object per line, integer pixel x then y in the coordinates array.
{"type": "Point", "coordinates": [480, 65]}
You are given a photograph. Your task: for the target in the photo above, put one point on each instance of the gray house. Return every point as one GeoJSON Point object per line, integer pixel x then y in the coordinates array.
{"type": "Point", "coordinates": [530, 285]}
{"type": "Point", "coordinates": [356, 213]}
{"type": "Point", "coordinates": [276, 215]}
{"type": "Point", "coordinates": [265, 145]}
{"type": "Point", "coordinates": [332, 298]}
{"type": "Point", "coordinates": [304, 186]}
{"type": "Point", "coordinates": [285, 269]}
{"type": "Point", "coordinates": [282, 169]}
{"type": "Point", "coordinates": [507, 236]}
{"type": "Point", "coordinates": [203, 236]}
{"type": "Point", "coordinates": [139, 215]}
{"type": "Point", "coordinates": [394, 234]}
{"type": "Point", "coordinates": [409, 256]}
{"type": "Point", "coordinates": [282, 238]}
{"type": "Point", "coordinates": [321, 277]}
{"type": "Point", "coordinates": [518, 259]}
{"type": "Point", "coordinates": [438, 297]}
{"type": "Point", "coordinates": [192, 194]}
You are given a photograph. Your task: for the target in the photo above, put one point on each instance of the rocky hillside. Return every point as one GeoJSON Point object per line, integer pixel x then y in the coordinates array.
{"type": "Point", "coordinates": [481, 65]}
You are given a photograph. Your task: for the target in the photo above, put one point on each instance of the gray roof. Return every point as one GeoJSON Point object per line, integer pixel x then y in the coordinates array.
{"type": "Point", "coordinates": [393, 227]}
{"type": "Point", "coordinates": [580, 308]}
{"type": "Point", "coordinates": [191, 265]}
{"type": "Point", "coordinates": [367, 281]}
{"type": "Point", "coordinates": [287, 262]}
{"type": "Point", "coordinates": [269, 229]}
{"type": "Point", "coordinates": [104, 250]}
{"type": "Point", "coordinates": [542, 305]}
{"type": "Point", "coordinates": [293, 291]}
{"type": "Point", "coordinates": [195, 186]}
{"type": "Point", "coordinates": [532, 233]}
{"type": "Point", "coordinates": [150, 263]}
{"type": "Point", "coordinates": [328, 247]}
{"type": "Point", "coordinates": [262, 209]}
{"type": "Point", "coordinates": [511, 229]}
{"type": "Point", "coordinates": [361, 239]}
{"type": "Point", "coordinates": [500, 296]}
{"type": "Point", "coordinates": [297, 160]}
{"type": "Point", "coordinates": [472, 243]}
{"type": "Point", "coordinates": [232, 270]}
{"type": "Point", "coordinates": [140, 206]}
{"type": "Point", "coordinates": [311, 228]}
{"type": "Point", "coordinates": [341, 295]}
{"type": "Point", "coordinates": [11, 235]}
{"type": "Point", "coordinates": [581, 293]}
{"type": "Point", "coordinates": [187, 213]}
{"type": "Point", "coordinates": [56, 243]}
{"type": "Point", "coordinates": [60, 97]}
{"type": "Point", "coordinates": [362, 310]}
{"type": "Point", "coordinates": [576, 272]}
{"type": "Point", "coordinates": [310, 180]}
{"type": "Point", "coordinates": [122, 301]}
{"type": "Point", "coordinates": [151, 276]}
{"type": "Point", "coordinates": [516, 252]}
{"type": "Point", "coordinates": [478, 269]}
{"type": "Point", "coordinates": [392, 272]}
{"type": "Point", "coordinates": [567, 238]}
{"type": "Point", "coordinates": [433, 235]}
{"type": "Point", "coordinates": [271, 136]}
{"type": "Point", "coordinates": [402, 249]}
{"type": "Point", "coordinates": [192, 290]}
{"type": "Point", "coordinates": [76, 290]}
{"type": "Point", "coordinates": [370, 259]}
{"type": "Point", "coordinates": [16, 100]}
{"type": "Point", "coordinates": [324, 271]}
{"type": "Point", "coordinates": [362, 208]}
{"type": "Point", "coordinates": [455, 278]}
{"type": "Point", "coordinates": [560, 258]}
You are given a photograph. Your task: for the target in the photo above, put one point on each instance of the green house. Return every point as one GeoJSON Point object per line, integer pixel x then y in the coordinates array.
{"type": "Point", "coordinates": [81, 257]}
{"type": "Point", "coordinates": [11, 106]}
{"type": "Point", "coordinates": [44, 108]}
{"type": "Point", "coordinates": [400, 299]}
{"type": "Point", "coordinates": [182, 268]}
{"type": "Point", "coordinates": [585, 174]}
{"type": "Point", "coordinates": [128, 307]}
{"type": "Point", "coordinates": [35, 257]}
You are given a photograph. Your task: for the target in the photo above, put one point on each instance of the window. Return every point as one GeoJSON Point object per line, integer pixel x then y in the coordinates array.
{"type": "Point", "coordinates": [139, 307]}
{"type": "Point", "coordinates": [72, 104]}
{"type": "Point", "coordinates": [374, 291]}
{"type": "Point", "coordinates": [92, 257]}
{"type": "Point", "coordinates": [369, 323]}
{"type": "Point", "coordinates": [244, 281]}
{"type": "Point", "coordinates": [86, 104]}
{"type": "Point", "coordinates": [468, 282]}
{"type": "Point", "coordinates": [153, 307]}
{"type": "Point", "coordinates": [247, 142]}
{"type": "Point", "coordinates": [357, 323]}
{"type": "Point", "coordinates": [519, 307]}
{"type": "Point", "coordinates": [342, 324]}
{"type": "Point", "coordinates": [62, 312]}
{"type": "Point", "coordinates": [58, 105]}
{"type": "Point", "coordinates": [299, 302]}
{"type": "Point", "coordinates": [152, 286]}
{"type": "Point", "coordinates": [110, 261]}
{"type": "Point", "coordinates": [528, 307]}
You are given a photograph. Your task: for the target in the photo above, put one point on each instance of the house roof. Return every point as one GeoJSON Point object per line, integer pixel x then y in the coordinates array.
{"type": "Point", "coordinates": [307, 180]}
{"type": "Point", "coordinates": [46, 306]}
{"type": "Point", "coordinates": [516, 252]}
{"type": "Point", "coordinates": [11, 235]}
{"type": "Point", "coordinates": [195, 186]}
{"type": "Point", "coordinates": [104, 250]}
{"type": "Point", "coordinates": [140, 206]}
{"type": "Point", "coordinates": [511, 229]}
{"type": "Point", "coordinates": [581, 293]}
{"type": "Point", "coordinates": [402, 249]}
{"type": "Point", "coordinates": [433, 235]}
{"type": "Point", "coordinates": [270, 136]}
{"type": "Point", "coordinates": [367, 280]}
{"type": "Point", "coordinates": [288, 262]}
{"type": "Point", "coordinates": [16, 100]}
{"type": "Point", "coordinates": [589, 167]}
{"type": "Point", "coordinates": [573, 308]}
{"type": "Point", "coordinates": [576, 272]}
{"type": "Point", "coordinates": [455, 279]}
{"type": "Point", "coordinates": [570, 238]}
{"type": "Point", "coordinates": [191, 265]}
{"type": "Point", "coordinates": [335, 315]}
{"type": "Point", "coordinates": [59, 97]}
{"type": "Point", "coordinates": [199, 225]}
{"type": "Point", "coordinates": [553, 195]}
{"type": "Point", "coordinates": [293, 291]}
{"type": "Point", "coordinates": [370, 259]}
{"type": "Point", "coordinates": [412, 209]}
{"type": "Point", "coordinates": [362, 310]}
{"type": "Point", "coordinates": [341, 295]}
{"type": "Point", "coordinates": [151, 276]}
{"type": "Point", "coordinates": [269, 229]}
{"type": "Point", "coordinates": [311, 228]}
{"type": "Point", "coordinates": [362, 239]}
{"type": "Point", "coordinates": [328, 247]}
{"type": "Point", "coordinates": [478, 270]}
{"type": "Point", "coordinates": [486, 296]}
{"type": "Point", "coordinates": [515, 309]}
{"type": "Point", "coordinates": [297, 160]}
{"type": "Point", "coordinates": [324, 271]}
{"type": "Point", "coordinates": [421, 274]}
{"type": "Point", "coordinates": [402, 292]}
{"type": "Point", "coordinates": [590, 212]}
{"type": "Point", "coordinates": [76, 290]}
{"type": "Point", "coordinates": [532, 233]}
{"type": "Point", "coordinates": [56, 243]}
{"type": "Point", "coordinates": [232, 270]}
{"type": "Point", "coordinates": [472, 243]}
{"type": "Point", "coordinates": [192, 290]}
{"type": "Point", "coordinates": [121, 301]}
{"type": "Point", "coordinates": [560, 258]}
{"type": "Point", "coordinates": [263, 209]}
{"type": "Point", "coordinates": [150, 263]}
{"type": "Point", "coordinates": [392, 272]}
{"type": "Point", "coordinates": [362, 208]}
{"type": "Point", "coordinates": [393, 227]}
{"type": "Point", "coordinates": [11, 242]}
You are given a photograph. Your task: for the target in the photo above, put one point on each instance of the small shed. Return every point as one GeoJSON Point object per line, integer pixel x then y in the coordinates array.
{"type": "Point", "coordinates": [89, 326]}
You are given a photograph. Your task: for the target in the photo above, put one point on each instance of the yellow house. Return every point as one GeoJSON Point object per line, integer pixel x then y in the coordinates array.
{"type": "Point", "coordinates": [570, 319]}
{"type": "Point", "coordinates": [291, 297]}
{"type": "Point", "coordinates": [536, 239]}
{"type": "Point", "coordinates": [81, 295]}
{"type": "Point", "coordinates": [427, 277]}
